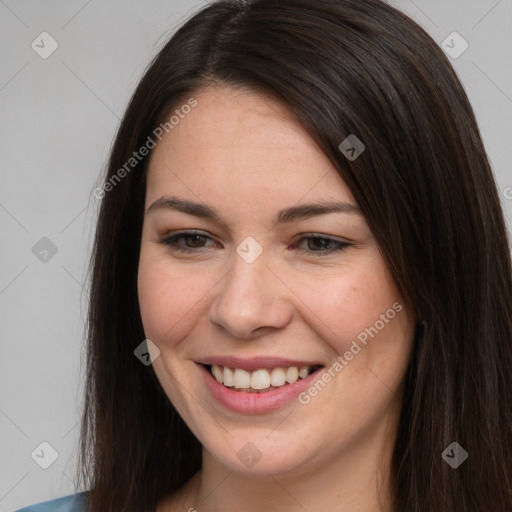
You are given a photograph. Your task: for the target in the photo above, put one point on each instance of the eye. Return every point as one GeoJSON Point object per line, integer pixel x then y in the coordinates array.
{"type": "Point", "coordinates": [317, 245]}
{"type": "Point", "coordinates": [322, 245]}
{"type": "Point", "coordinates": [192, 241]}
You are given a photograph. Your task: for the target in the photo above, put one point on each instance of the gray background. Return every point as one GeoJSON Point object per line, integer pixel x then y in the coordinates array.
{"type": "Point", "coordinates": [58, 119]}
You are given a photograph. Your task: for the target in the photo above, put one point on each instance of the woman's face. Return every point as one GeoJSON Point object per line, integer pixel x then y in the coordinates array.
{"type": "Point", "coordinates": [269, 282]}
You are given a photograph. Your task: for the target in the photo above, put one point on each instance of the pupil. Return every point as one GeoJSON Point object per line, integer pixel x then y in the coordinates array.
{"type": "Point", "coordinates": [318, 243]}
{"type": "Point", "coordinates": [196, 238]}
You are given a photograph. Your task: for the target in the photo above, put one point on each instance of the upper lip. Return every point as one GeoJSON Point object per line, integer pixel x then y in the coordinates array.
{"type": "Point", "coordinates": [255, 363]}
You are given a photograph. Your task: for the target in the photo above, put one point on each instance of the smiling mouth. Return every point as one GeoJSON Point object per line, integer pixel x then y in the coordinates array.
{"type": "Point", "coordinates": [261, 380]}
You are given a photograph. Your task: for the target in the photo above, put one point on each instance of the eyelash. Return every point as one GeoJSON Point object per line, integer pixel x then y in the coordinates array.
{"type": "Point", "coordinates": [170, 242]}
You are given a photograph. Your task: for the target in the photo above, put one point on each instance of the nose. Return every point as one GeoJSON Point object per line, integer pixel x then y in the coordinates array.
{"type": "Point", "coordinates": [251, 300]}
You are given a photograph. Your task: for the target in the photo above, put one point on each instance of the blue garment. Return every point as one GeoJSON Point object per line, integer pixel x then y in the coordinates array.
{"type": "Point", "coordinates": [72, 503]}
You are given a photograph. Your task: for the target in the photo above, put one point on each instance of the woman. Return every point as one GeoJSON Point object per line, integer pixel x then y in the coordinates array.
{"type": "Point", "coordinates": [300, 230]}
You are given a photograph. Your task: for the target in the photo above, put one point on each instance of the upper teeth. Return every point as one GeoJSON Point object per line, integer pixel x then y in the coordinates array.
{"type": "Point", "coordinates": [259, 379]}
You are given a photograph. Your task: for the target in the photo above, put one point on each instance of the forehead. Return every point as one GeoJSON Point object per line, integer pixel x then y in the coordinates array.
{"type": "Point", "coordinates": [241, 144]}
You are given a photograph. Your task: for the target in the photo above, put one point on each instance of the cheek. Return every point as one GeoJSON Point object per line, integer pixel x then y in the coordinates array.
{"type": "Point", "coordinates": [345, 303]}
{"type": "Point", "coordinates": [169, 300]}
{"type": "Point", "coordinates": [359, 313]}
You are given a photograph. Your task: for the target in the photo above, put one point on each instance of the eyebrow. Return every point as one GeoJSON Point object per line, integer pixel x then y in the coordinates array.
{"type": "Point", "coordinates": [291, 214]}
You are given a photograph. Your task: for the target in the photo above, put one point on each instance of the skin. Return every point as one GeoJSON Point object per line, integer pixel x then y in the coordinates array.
{"type": "Point", "coordinates": [245, 155]}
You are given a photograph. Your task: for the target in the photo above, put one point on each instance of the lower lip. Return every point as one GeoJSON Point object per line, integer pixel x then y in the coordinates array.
{"type": "Point", "coordinates": [256, 403]}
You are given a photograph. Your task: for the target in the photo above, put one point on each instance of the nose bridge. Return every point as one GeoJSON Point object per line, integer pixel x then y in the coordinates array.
{"type": "Point", "coordinates": [249, 297]}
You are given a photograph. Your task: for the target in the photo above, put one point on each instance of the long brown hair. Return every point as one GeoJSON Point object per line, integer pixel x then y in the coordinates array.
{"type": "Point", "coordinates": [426, 189]}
